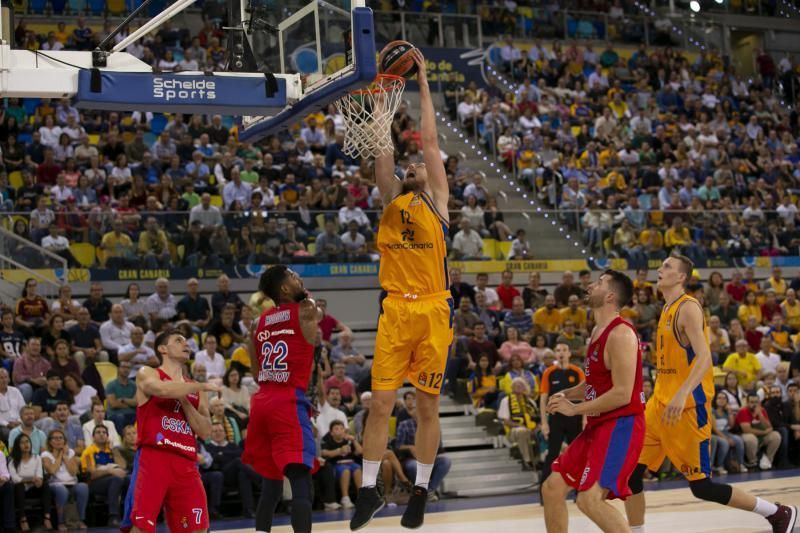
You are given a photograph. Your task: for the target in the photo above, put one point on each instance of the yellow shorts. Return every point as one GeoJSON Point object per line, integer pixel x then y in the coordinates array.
{"type": "Point", "coordinates": [413, 341]}
{"type": "Point", "coordinates": [687, 444]}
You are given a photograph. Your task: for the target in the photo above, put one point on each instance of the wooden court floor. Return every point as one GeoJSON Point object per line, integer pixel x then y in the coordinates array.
{"type": "Point", "coordinates": [669, 511]}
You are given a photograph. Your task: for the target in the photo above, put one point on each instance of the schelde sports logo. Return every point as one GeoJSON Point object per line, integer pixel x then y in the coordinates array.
{"type": "Point", "coordinates": [168, 89]}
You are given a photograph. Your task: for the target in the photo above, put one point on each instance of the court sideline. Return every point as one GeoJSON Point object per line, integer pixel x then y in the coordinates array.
{"type": "Point", "coordinates": [670, 510]}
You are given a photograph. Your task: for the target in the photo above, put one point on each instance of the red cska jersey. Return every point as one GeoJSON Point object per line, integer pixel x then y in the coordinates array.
{"type": "Point", "coordinates": [598, 377]}
{"type": "Point", "coordinates": [285, 357]}
{"type": "Point", "coordinates": [162, 424]}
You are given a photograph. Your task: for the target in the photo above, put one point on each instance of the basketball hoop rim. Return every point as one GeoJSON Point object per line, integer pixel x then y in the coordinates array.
{"type": "Point", "coordinates": [393, 79]}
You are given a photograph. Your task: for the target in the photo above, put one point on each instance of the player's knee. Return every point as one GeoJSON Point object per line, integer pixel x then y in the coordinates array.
{"type": "Point", "coordinates": [636, 481]}
{"type": "Point", "coordinates": [588, 500]}
{"type": "Point", "coordinates": [705, 489]}
{"type": "Point", "coordinates": [382, 404]}
{"type": "Point", "coordinates": [554, 486]}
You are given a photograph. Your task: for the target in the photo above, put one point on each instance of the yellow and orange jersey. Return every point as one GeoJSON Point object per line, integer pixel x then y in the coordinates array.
{"type": "Point", "coordinates": [674, 359]}
{"type": "Point", "coordinates": [411, 241]}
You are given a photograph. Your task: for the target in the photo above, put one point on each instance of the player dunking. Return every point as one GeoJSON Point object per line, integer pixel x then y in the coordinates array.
{"type": "Point", "coordinates": [600, 460]}
{"type": "Point", "coordinates": [415, 327]}
{"type": "Point", "coordinates": [170, 416]}
{"type": "Point", "coordinates": [279, 440]}
{"type": "Point", "coordinates": [677, 416]}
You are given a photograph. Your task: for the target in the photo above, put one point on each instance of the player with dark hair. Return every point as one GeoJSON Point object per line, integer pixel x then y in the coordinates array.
{"type": "Point", "coordinates": [600, 460]}
{"type": "Point", "coordinates": [171, 415]}
{"type": "Point", "coordinates": [280, 442]}
{"type": "Point", "coordinates": [415, 327]}
{"type": "Point", "coordinates": [679, 412]}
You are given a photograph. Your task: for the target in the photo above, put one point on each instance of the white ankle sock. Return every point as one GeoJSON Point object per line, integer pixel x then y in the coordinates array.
{"type": "Point", "coordinates": [765, 508]}
{"type": "Point", "coordinates": [370, 473]}
{"type": "Point", "coordinates": [637, 529]}
{"type": "Point", "coordinates": [423, 475]}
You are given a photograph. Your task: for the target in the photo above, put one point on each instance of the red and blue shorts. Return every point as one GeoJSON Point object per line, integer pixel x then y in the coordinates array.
{"type": "Point", "coordinates": [165, 479]}
{"type": "Point", "coordinates": [605, 453]}
{"type": "Point", "coordinates": [279, 432]}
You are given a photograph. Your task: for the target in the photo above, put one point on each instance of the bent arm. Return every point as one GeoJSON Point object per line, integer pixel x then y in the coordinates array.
{"type": "Point", "coordinates": [621, 350]}
{"type": "Point", "coordinates": [200, 418]}
{"type": "Point", "coordinates": [148, 383]}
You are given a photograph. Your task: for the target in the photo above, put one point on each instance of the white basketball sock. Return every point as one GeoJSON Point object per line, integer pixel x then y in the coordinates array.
{"type": "Point", "coordinates": [637, 529]}
{"type": "Point", "coordinates": [423, 475]}
{"type": "Point", "coordinates": [370, 473]}
{"type": "Point", "coordinates": [765, 508]}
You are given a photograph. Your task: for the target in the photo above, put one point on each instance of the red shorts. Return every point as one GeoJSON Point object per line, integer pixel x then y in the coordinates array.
{"type": "Point", "coordinates": [162, 478]}
{"type": "Point", "coordinates": [279, 432]}
{"type": "Point", "coordinates": [605, 453]}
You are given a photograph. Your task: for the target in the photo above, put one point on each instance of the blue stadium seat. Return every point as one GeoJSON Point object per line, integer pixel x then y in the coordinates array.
{"type": "Point", "coordinates": [149, 138]}
{"type": "Point", "coordinates": [30, 105]}
{"type": "Point", "coordinates": [23, 138]}
{"type": "Point", "coordinates": [572, 27]}
{"type": "Point", "coordinates": [77, 6]}
{"type": "Point", "coordinates": [97, 7]}
{"type": "Point", "coordinates": [158, 123]}
{"type": "Point", "coordinates": [58, 6]}
{"type": "Point", "coordinates": [37, 6]}
{"type": "Point", "coordinates": [156, 7]}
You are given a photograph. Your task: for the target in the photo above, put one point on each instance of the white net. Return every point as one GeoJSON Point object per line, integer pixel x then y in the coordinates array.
{"type": "Point", "coordinates": [368, 115]}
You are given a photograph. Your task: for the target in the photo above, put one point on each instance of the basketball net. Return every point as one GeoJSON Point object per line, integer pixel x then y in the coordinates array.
{"type": "Point", "coordinates": [368, 114]}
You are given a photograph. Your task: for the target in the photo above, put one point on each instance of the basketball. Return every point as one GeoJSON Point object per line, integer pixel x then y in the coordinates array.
{"type": "Point", "coordinates": [396, 59]}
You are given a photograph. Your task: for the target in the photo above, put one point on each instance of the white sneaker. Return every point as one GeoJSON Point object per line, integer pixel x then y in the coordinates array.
{"type": "Point", "coordinates": [346, 503]}
{"type": "Point", "coordinates": [743, 469]}
{"type": "Point", "coordinates": [333, 506]}
{"type": "Point", "coordinates": [721, 471]}
{"type": "Point", "coordinates": [765, 463]}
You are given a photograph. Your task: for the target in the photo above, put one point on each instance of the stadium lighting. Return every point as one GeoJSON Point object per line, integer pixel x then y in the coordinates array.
{"type": "Point", "coordinates": [694, 5]}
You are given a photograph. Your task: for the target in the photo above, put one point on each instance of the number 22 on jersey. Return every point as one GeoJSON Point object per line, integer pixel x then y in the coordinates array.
{"type": "Point", "coordinates": [273, 362]}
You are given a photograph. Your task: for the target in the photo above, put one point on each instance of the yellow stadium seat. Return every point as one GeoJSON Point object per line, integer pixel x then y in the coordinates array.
{"type": "Point", "coordinates": [15, 179]}
{"type": "Point", "coordinates": [392, 427]}
{"type": "Point", "coordinates": [490, 248]}
{"type": "Point", "coordinates": [107, 371]}
{"type": "Point", "coordinates": [116, 7]}
{"type": "Point", "coordinates": [320, 218]}
{"type": "Point", "coordinates": [100, 254]}
{"type": "Point", "coordinates": [216, 200]}
{"type": "Point", "coordinates": [504, 247]}
{"type": "Point", "coordinates": [83, 253]}
{"type": "Point", "coordinates": [94, 139]}
{"type": "Point", "coordinates": [312, 248]}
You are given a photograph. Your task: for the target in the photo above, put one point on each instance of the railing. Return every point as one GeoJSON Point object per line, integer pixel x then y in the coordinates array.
{"type": "Point", "coordinates": [18, 253]}
{"type": "Point", "coordinates": [432, 29]}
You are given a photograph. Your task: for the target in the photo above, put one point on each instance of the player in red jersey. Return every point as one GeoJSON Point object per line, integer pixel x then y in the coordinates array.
{"type": "Point", "coordinates": [170, 416]}
{"type": "Point", "coordinates": [280, 441]}
{"type": "Point", "coordinates": [599, 462]}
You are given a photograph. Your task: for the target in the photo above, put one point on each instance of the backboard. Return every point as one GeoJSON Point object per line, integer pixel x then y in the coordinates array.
{"type": "Point", "coordinates": [328, 46]}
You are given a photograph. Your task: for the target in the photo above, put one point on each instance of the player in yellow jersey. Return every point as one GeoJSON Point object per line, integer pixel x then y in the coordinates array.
{"type": "Point", "coordinates": [677, 417]}
{"type": "Point", "coordinates": [415, 328]}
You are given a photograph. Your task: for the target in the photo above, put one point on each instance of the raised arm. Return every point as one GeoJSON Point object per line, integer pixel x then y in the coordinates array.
{"type": "Point", "coordinates": [431, 154]}
{"type": "Point", "coordinates": [148, 384]}
{"type": "Point", "coordinates": [310, 315]}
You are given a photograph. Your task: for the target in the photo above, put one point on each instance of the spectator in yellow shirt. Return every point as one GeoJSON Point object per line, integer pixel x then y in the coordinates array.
{"type": "Point", "coordinates": [791, 310]}
{"type": "Point", "coordinates": [153, 245]}
{"type": "Point", "coordinates": [744, 364]}
{"type": "Point", "coordinates": [750, 308]}
{"type": "Point", "coordinates": [118, 247]}
{"type": "Point", "coordinates": [548, 319]}
{"type": "Point", "coordinates": [776, 283]}
{"type": "Point", "coordinates": [677, 234]}
{"type": "Point", "coordinates": [575, 313]}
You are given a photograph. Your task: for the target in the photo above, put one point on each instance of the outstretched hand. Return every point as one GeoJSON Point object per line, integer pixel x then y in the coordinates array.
{"type": "Point", "coordinates": [419, 59]}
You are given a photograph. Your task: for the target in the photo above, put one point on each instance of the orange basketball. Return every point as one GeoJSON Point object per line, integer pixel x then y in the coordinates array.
{"type": "Point", "coordinates": [396, 59]}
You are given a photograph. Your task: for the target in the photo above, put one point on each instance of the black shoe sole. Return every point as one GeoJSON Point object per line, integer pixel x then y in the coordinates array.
{"type": "Point", "coordinates": [365, 524]}
{"type": "Point", "coordinates": [407, 526]}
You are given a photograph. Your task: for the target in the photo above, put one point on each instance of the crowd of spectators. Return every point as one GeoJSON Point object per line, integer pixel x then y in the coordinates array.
{"type": "Point", "coordinates": [68, 403]}
{"type": "Point", "coordinates": [648, 154]}
{"type": "Point", "coordinates": [516, 345]}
